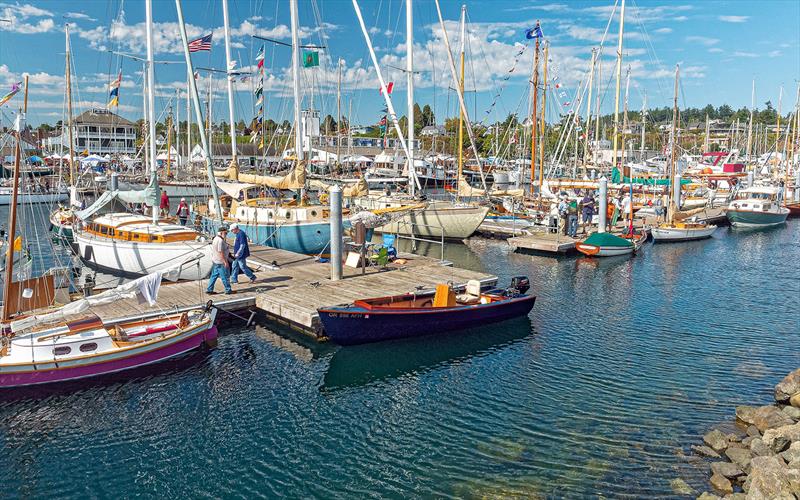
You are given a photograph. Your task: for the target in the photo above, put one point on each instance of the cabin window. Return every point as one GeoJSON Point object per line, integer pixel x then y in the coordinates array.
{"type": "Point", "coordinates": [103, 230]}
{"type": "Point", "coordinates": [62, 350]}
{"type": "Point", "coordinates": [288, 215]}
{"type": "Point", "coordinates": [91, 346]}
{"type": "Point", "coordinates": [313, 213]}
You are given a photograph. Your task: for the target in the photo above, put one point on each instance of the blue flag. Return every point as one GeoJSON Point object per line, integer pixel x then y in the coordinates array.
{"type": "Point", "coordinates": [535, 32]}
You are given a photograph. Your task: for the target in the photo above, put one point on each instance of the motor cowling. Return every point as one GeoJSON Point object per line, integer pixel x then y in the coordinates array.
{"type": "Point", "coordinates": [520, 283]}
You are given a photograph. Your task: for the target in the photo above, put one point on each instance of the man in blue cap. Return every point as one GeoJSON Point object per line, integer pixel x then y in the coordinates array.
{"type": "Point", "coordinates": [241, 251]}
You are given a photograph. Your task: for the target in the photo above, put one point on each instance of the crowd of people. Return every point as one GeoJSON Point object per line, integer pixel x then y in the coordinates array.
{"type": "Point", "coordinates": [574, 213]}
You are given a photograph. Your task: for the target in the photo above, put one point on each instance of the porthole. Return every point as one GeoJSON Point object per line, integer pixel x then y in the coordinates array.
{"type": "Point", "coordinates": [313, 213]}
{"type": "Point", "coordinates": [91, 346]}
{"type": "Point", "coordinates": [62, 350]}
{"type": "Point", "coordinates": [288, 215]}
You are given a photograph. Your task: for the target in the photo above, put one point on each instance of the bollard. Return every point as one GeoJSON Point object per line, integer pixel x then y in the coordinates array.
{"type": "Point", "coordinates": [336, 232]}
{"type": "Point", "coordinates": [114, 181]}
{"type": "Point", "coordinates": [601, 223]}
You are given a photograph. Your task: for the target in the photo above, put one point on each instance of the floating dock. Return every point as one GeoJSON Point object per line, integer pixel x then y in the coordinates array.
{"type": "Point", "coordinates": [292, 293]}
{"type": "Point", "coordinates": [544, 242]}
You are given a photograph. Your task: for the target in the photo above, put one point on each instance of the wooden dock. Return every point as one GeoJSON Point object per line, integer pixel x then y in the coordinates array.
{"type": "Point", "coordinates": [544, 242]}
{"type": "Point", "coordinates": [292, 293]}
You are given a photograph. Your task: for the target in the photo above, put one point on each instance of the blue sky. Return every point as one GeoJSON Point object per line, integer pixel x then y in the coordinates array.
{"type": "Point", "coordinates": [720, 45]}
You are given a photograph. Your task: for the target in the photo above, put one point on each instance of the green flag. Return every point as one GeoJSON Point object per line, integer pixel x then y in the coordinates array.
{"type": "Point", "coordinates": [310, 58]}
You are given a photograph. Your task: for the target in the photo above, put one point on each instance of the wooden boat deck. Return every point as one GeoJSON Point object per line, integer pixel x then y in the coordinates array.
{"type": "Point", "coordinates": [292, 293]}
{"type": "Point", "coordinates": [545, 242]}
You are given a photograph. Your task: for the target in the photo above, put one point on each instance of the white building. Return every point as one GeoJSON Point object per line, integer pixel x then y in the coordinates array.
{"type": "Point", "coordinates": [98, 130]}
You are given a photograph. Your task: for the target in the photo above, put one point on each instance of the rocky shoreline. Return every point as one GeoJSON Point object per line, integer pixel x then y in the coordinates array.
{"type": "Point", "coordinates": [763, 460]}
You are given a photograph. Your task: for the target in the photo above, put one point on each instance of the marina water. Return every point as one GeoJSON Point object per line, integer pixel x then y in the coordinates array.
{"type": "Point", "coordinates": [622, 364]}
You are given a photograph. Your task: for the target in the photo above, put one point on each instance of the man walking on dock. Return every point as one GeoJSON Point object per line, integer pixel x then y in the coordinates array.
{"type": "Point", "coordinates": [241, 251]}
{"type": "Point", "coordinates": [219, 260]}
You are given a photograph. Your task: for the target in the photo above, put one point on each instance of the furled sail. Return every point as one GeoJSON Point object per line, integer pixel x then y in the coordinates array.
{"type": "Point", "coordinates": [464, 189]}
{"type": "Point", "coordinates": [295, 179]}
{"type": "Point", "coordinates": [360, 188]}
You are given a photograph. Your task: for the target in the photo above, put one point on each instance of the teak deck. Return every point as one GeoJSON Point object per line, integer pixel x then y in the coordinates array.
{"type": "Point", "coordinates": [293, 293]}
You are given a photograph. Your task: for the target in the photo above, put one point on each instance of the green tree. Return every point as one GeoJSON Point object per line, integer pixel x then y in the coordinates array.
{"type": "Point", "coordinates": [329, 125]}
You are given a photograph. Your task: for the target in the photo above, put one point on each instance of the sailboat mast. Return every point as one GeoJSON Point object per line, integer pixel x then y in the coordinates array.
{"type": "Point", "coordinates": [69, 110]}
{"type": "Point", "coordinates": [750, 124]}
{"type": "Point", "coordinates": [177, 127]}
{"type": "Point", "coordinates": [625, 116]}
{"type": "Point", "coordinates": [597, 111]}
{"type": "Point", "coordinates": [778, 126]}
{"type": "Point", "coordinates": [12, 215]}
{"type": "Point", "coordinates": [228, 73]}
{"type": "Point", "coordinates": [189, 123]}
{"type": "Point", "coordinates": [410, 89]}
{"type": "Point", "coordinates": [461, 86]}
{"type": "Point", "coordinates": [151, 116]}
{"type": "Point", "coordinates": [534, 110]}
{"type": "Point", "coordinates": [706, 142]}
{"type": "Point", "coordinates": [589, 106]}
{"type": "Point", "coordinates": [619, 78]}
{"type": "Point", "coordinates": [672, 177]}
{"type": "Point", "coordinates": [298, 126]}
{"type": "Point", "coordinates": [644, 127]}
{"type": "Point", "coordinates": [169, 142]}
{"type": "Point", "coordinates": [197, 111]}
{"type": "Point", "coordinates": [541, 123]}
{"type": "Point", "coordinates": [339, 113]}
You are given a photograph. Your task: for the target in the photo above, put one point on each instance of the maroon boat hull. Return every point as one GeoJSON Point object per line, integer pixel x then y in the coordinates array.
{"type": "Point", "coordinates": [358, 325]}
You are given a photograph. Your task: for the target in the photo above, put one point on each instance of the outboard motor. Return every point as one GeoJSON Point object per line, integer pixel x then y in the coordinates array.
{"type": "Point", "coordinates": [520, 283]}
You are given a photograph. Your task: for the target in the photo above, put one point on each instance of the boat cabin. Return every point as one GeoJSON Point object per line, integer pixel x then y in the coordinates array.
{"type": "Point", "coordinates": [757, 198]}
{"type": "Point", "coordinates": [138, 228]}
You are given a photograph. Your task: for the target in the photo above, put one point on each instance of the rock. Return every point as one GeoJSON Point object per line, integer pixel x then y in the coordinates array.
{"type": "Point", "coordinates": [791, 454]}
{"type": "Point", "coordinates": [789, 386]}
{"type": "Point", "coordinates": [740, 457]}
{"type": "Point", "coordinates": [705, 451]}
{"type": "Point", "coordinates": [716, 440]}
{"type": "Point", "coordinates": [721, 483]}
{"type": "Point", "coordinates": [708, 496]}
{"type": "Point", "coordinates": [746, 414]}
{"type": "Point", "coordinates": [746, 441]}
{"type": "Point", "coordinates": [768, 479]}
{"type": "Point", "coordinates": [726, 469]}
{"type": "Point", "coordinates": [759, 449]}
{"type": "Point", "coordinates": [734, 438]}
{"type": "Point", "coordinates": [780, 438]}
{"type": "Point", "coordinates": [680, 487]}
{"type": "Point", "coordinates": [770, 417]}
{"type": "Point", "coordinates": [791, 412]}
{"type": "Point", "coordinates": [794, 464]}
{"type": "Point", "coordinates": [795, 400]}
{"type": "Point", "coordinates": [753, 431]}
{"type": "Point", "coordinates": [736, 496]}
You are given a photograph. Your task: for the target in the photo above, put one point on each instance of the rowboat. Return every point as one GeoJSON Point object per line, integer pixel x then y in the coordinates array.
{"type": "Point", "coordinates": [609, 245]}
{"type": "Point", "coordinates": [417, 314]}
{"type": "Point", "coordinates": [682, 231]}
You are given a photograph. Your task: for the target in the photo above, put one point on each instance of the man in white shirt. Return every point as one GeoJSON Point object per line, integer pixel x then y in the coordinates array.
{"type": "Point", "coordinates": [220, 267]}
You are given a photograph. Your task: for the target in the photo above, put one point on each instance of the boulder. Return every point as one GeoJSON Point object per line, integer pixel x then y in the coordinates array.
{"type": "Point", "coordinates": [746, 414]}
{"type": "Point", "coordinates": [749, 439]}
{"type": "Point", "coordinates": [759, 448]}
{"type": "Point", "coordinates": [770, 417]}
{"type": "Point", "coordinates": [753, 431]}
{"type": "Point", "coordinates": [780, 438]}
{"type": "Point", "coordinates": [716, 440]}
{"type": "Point", "coordinates": [795, 400]}
{"type": "Point", "coordinates": [794, 464]}
{"type": "Point", "coordinates": [726, 469]}
{"type": "Point", "coordinates": [768, 479]}
{"type": "Point", "coordinates": [791, 412]}
{"type": "Point", "coordinates": [788, 387]}
{"type": "Point", "coordinates": [721, 484]}
{"type": "Point", "coordinates": [739, 456]}
{"type": "Point", "coordinates": [708, 496]}
{"type": "Point", "coordinates": [792, 453]}
{"type": "Point", "coordinates": [680, 487]}
{"type": "Point", "coordinates": [705, 451]}
{"type": "Point", "coordinates": [736, 496]}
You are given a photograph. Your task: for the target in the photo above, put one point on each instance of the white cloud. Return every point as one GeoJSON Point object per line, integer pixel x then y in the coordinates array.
{"type": "Point", "coordinates": [715, 50]}
{"type": "Point", "coordinates": [549, 7]}
{"type": "Point", "coordinates": [79, 15]}
{"type": "Point", "coordinates": [663, 31]}
{"type": "Point", "coordinates": [734, 19]}
{"type": "Point", "coordinates": [702, 40]}
{"type": "Point", "coordinates": [744, 54]}
{"type": "Point", "coordinates": [774, 53]}
{"type": "Point", "coordinates": [642, 14]}
{"type": "Point", "coordinates": [21, 17]}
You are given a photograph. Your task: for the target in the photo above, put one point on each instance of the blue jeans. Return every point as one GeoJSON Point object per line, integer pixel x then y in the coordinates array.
{"type": "Point", "coordinates": [572, 226]}
{"type": "Point", "coordinates": [221, 272]}
{"type": "Point", "coordinates": [240, 265]}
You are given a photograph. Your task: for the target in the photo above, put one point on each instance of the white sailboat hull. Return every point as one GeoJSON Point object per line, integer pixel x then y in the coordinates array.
{"type": "Point", "coordinates": [438, 219]}
{"type": "Point", "coordinates": [138, 259]}
{"type": "Point", "coordinates": [5, 197]}
{"type": "Point", "coordinates": [661, 233]}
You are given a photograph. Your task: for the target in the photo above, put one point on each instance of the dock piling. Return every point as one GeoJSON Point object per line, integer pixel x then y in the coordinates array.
{"type": "Point", "coordinates": [336, 233]}
{"type": "Point", "coordinates": [114, 181]}
{"type": "Point", "coordinates": [601, 224]}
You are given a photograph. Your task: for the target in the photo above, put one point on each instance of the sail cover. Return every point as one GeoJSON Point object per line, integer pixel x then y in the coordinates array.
{"type": "Point", "coordinates": [295, 179]}
{"type": "Point", "coordinates": [119, 199]}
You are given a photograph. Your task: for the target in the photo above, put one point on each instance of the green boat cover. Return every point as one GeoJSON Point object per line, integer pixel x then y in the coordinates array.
{"type": "Point", "coordinates": [607, 240]}
{"type": "Point", "coordinates": [616, 178]}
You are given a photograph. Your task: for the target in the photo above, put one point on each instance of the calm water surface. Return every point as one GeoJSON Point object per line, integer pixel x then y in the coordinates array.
{"type": "Point", "coordinates": [622, 365]}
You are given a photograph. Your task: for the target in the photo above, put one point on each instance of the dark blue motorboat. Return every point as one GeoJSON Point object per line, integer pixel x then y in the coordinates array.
{"type": "Point", "coordinates": [416, 314]}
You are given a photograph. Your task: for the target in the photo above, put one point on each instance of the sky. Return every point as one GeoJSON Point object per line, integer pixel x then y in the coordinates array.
{"type": "Point", "coordinates": [720, 47]}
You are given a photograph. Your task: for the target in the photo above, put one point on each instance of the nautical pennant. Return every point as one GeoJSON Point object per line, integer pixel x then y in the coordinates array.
{"type": "Point", "coordinates": [535, 32]}
{"type": "Point", "coordinates": [14, 89]}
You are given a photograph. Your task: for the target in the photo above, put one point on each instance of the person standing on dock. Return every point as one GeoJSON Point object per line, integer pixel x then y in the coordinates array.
{"type": "Point", "coordinates": [220, 268]}
{"type": "Point", "coordinates": [572, 219]}
{"type": "Point", "coordinates": [587, 208]}
{"type": "Point", "coordinates": [164, 204]}
{"type": "Point", "coordinates": [183, 211]}
{"type": "Point", "coordinates": [241, 251]}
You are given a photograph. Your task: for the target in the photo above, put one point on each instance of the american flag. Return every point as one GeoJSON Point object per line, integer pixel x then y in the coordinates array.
{"type": "Point", "coordinates": [202, 43]}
